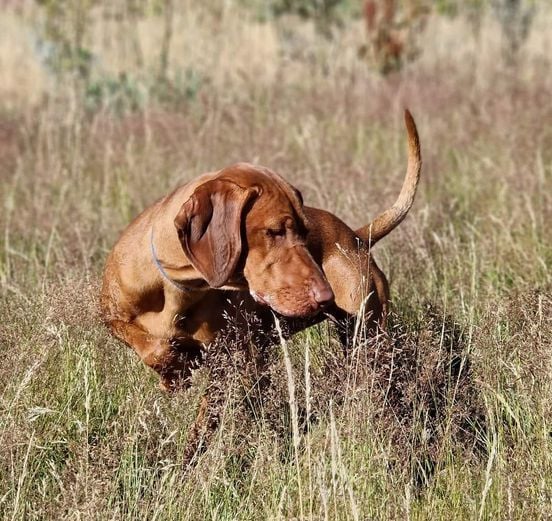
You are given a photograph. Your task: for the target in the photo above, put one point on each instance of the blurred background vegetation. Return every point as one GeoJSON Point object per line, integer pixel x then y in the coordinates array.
{"type": "Point", "coordinates": [124, 54]}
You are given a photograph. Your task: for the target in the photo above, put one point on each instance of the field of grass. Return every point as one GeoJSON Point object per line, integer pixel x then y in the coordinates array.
{"type": "Point", "coordinates": [450, 417]}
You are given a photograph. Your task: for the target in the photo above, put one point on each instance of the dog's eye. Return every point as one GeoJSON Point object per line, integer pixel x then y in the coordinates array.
{"type": "Point", "coordinates": [276, 232]}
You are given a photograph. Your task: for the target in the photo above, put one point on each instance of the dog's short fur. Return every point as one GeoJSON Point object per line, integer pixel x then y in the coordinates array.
{"type": "Point", "coordinates": [241, 234]}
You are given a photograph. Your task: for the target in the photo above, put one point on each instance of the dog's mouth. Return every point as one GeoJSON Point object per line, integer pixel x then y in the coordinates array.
{"type": "Point", "coordinates": [266, 300]}
{"type": "Point", "coordinates": [261, 298]}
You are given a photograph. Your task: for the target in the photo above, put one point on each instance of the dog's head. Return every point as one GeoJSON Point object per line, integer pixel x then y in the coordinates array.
{"type": "Point", "coordinates": [247, 221]}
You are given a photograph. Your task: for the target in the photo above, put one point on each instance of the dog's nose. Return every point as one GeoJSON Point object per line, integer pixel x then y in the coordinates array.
{"type": "Point", "coordinates": [323, 294]}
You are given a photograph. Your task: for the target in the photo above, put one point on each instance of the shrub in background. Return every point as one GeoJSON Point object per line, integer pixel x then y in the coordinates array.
{"type": "Point", "coordinates": [392, 30]}
{"type": "Point", "coordinates": [515, 18]}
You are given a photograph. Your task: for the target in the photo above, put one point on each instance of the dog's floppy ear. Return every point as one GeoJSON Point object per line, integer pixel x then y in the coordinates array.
{"type": "Point", "coordinates": [209, 228]}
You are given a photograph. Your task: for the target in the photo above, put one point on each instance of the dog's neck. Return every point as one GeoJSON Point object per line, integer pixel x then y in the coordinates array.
{"type": "Point", "coordinates": [184, 276]}
{"type": "Point", "coordinates": [180, 274]}
{"type": "Point", "coordinates": [163, 269]}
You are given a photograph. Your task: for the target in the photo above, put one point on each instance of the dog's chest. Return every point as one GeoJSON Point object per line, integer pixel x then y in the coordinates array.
{"type": "Point", "coordinates": [200, 315]}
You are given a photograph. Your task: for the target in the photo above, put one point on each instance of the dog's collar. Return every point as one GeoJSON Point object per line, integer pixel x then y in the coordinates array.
{"type": "Point", "coordinates": [178, 285]}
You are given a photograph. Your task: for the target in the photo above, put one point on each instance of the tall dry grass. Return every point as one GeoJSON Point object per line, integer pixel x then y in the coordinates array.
{"type": "Point", "coordinates": [448, 417]}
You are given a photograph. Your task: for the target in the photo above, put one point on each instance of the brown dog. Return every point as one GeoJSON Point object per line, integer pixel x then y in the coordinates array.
{"type": "Point", "coordinates": [243, 234]}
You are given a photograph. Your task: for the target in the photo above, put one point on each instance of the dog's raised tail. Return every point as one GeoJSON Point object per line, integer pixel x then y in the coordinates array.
{"type": "Point", "coordinates": [391, 218]}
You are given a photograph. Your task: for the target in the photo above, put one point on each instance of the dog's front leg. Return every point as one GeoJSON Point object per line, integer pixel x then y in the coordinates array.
{"type": "Point", "coordinates": [203, 428]}
{"type": "Point", "coordinates": [172, 358]}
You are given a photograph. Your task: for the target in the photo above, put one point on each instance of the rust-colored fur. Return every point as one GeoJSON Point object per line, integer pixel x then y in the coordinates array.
{"type": "Point", "coordinates": [241, 234]}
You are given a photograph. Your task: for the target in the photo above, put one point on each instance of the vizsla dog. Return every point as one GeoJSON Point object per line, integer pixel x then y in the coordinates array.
{"type": "Point", "coordinates": [241, 234]}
